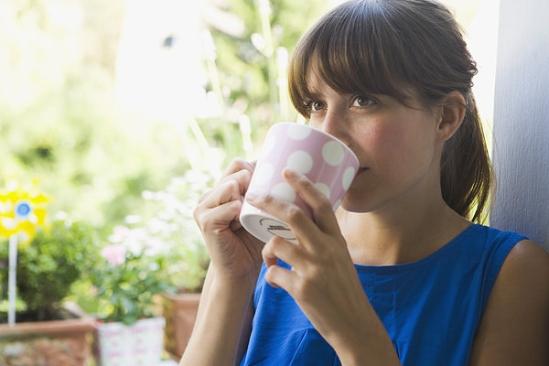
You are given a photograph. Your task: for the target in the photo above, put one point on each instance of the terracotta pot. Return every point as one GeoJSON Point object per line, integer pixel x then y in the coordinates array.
{"type": "Point", "coordinates": [57, 342]}
{"type": "Point", "coordinates": [180, 313]}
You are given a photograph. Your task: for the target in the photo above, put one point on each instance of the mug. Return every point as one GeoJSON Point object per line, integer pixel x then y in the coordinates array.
{"type": "Point", "coordinates": [325, 160]}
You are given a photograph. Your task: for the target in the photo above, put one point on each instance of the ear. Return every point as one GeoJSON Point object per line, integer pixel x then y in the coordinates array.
{"type": "Point", "coordinates": [452, 112]}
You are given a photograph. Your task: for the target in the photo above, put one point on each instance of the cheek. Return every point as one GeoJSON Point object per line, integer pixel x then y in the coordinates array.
{"type": "Point", "coordinates": [386, 143]}
{"type": "Point", "coordinates": [401, 146]}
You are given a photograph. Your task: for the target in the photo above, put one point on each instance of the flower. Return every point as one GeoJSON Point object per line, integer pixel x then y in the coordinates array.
{"type": "Point", "coordinates": [159, 250]}
{"type": "Point", "coordinates": [136, 241]}
{"type": "Point", "coordinates": [115, 254]}
{"type": "Point", "coordinates": [127, 284]}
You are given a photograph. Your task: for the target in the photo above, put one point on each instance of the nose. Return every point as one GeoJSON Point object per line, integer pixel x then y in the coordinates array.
{"type": "Point", "coordinates": [335, 124]}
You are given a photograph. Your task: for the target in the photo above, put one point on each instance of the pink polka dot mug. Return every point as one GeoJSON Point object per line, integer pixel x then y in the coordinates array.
{"type": "Point", "coordinates": [326, 161]}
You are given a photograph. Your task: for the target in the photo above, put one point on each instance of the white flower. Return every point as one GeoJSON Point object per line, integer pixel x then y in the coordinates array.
{"type": "Point", "coordinates": [115, 254]}
{"type": "Point", "coordinates": [120, 234]}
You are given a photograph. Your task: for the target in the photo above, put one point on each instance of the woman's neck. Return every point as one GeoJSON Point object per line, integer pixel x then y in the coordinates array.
{"type": "Point", "coordinates": [381, 239]}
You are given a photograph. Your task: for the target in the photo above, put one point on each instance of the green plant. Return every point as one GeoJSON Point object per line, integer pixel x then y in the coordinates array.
{"type": "Point", "coordinates": [126, 283]}
{"type": "Point", "coordinates": [102, 159]}
{"type": "Point", "coordinates": [160, 250]}
{"type": "Point", "coordinates": [50, 264]}
{"type": "Point", "coordinates": [168, 222]}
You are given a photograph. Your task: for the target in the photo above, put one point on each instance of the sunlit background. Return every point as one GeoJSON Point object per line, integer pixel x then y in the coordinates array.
{"type": "Point", "coordinates": [118, 97]}
{"type": "Point", "coordinates": [124, 113]}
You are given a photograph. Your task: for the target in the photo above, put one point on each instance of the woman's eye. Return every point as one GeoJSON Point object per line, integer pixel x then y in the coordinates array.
{"type": "Point", "coordinates": [315, 105]}
{"type": "Point", "coordinates": [361, 101]}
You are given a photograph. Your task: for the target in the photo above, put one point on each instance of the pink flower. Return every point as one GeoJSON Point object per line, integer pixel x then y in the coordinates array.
{"type": "Point", "coordinates": [115, 254]}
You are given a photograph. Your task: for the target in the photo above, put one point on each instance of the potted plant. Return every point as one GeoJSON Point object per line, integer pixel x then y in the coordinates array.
{"type": "Point", "coordinates": [47, 332]}
{"type": "Point", "coordinates": [168, 226]}
{"type": "Point", "coordinates": [127, 282]}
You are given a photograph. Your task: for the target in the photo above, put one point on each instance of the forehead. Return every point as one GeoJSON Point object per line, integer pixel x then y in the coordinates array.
{"type": "Point", "coordinates": [315, 83]}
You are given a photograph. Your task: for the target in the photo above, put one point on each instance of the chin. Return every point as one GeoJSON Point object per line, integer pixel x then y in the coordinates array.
{"type": "Point", "coordinates": [353, 205]}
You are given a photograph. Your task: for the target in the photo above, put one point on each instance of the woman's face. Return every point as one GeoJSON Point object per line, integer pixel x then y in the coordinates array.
{"type": "Point", "coordinates": [397, 144]}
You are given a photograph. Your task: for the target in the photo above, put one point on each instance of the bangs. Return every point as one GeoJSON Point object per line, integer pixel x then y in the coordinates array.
{"type": "Point", "coordinates": [354, 50]}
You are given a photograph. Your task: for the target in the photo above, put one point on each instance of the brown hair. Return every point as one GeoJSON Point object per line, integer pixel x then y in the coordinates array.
{"type": "Point", "coordinates": [379, 46]}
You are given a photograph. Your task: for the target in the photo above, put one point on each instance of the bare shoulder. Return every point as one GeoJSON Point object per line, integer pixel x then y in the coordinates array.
{"type": "Point", "coordinates": [527, 261]}
{"type": "Point", "coordinates": [514, 329]}
{"type": "Point", "coordinates": [525, 270]}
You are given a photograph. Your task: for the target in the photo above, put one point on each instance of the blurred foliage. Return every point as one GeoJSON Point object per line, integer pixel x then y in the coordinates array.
{"type": "Point", "coordinates": [59, 122]}
{"type": "Point", "coordinates": [60, 125]}
{"type": "Point", "coordinates": [161, 250]}
{"type": "Point", "coordinates": [50, 264]}
{"type": "Point", "coordinates": [168, 223]}
{"type": "Point", "coordinates": [126, 292]}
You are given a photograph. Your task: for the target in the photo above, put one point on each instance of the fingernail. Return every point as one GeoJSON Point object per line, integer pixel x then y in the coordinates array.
{"type": "Point", "coordinates": [290, 173]}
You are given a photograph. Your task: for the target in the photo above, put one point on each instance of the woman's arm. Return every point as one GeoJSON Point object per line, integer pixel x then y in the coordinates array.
{"type": "Point", "coordinates": [223, 322]}
{"type": "Point", "coordinates": [515, 327]}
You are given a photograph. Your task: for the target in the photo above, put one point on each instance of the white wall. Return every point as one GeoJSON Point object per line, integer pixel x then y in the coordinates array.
{"type": "Point", "coordinates": [521, 120]}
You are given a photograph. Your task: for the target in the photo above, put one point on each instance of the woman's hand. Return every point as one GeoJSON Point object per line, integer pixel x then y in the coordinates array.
{"type": "Point", "coordinates": [323, 279]}
{"type": "Point", "coordinates": [235, 254]}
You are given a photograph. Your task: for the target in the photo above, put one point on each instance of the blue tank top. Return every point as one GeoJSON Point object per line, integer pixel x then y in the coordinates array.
{"type": "Point", "coordinates": [430, 308]}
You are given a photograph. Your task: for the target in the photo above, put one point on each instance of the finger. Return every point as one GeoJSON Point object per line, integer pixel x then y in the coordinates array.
{"type": "Point", "coordinates": [305, 230]}
{"type": "Point", "coordinates": [323, 213]}
{"type": "Point", "coordinates": [235, 225]}
{"type": "Point", "coordinates": [217, 219]}
{"type": "Point", "coordinates": [226, 192]}
{"type": "Point", "coordinates": [217, 195]}
{"type": "Point", "coordinates": [242, 177]}
{"type": "Point", "coordinates": [237, 165]}
{"type": "Point", "coordinates": [277, 276]}
{"type": "Point", "coordinates": [279, 248]}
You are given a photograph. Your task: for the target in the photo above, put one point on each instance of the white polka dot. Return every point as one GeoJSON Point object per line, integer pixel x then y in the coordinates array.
{"type": "Point", "coordinates": [347, 178]}
{"type": "Point", "coordinates": [298, 132]}
{"type": "Point", "coordinates": [300, 161]}
{"type": "Point", "coordinates": [263, 174]}
{"type": "Point", "coordinates": [284, 192]}
{"type": "Point", "coordinates": [333, 153]}
{"type": "Point", "coordinates": [324, 189]}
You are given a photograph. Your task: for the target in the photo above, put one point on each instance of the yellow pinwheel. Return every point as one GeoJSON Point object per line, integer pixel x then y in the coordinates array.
{"type": "Point", "coordinates": [22, 212]}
